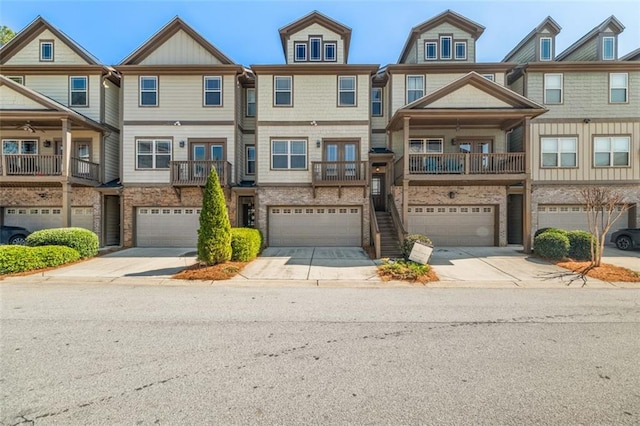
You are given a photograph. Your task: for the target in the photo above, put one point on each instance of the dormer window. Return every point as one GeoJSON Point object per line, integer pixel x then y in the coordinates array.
{"type": "Point", "coordinates": [545, 49]}
{"type": "Point", "coordinates": [330, 52]}
{"type": "Point", "coordinates": [431, 50]}
{"type": "Point", "coordinates": [460, 50]}
{"type": "Point", "coordinates": [315, 49]}
{"type": "Point", "coordinates": [46, 51]}
{"type": "Point", "coordinates": [445, 47]}
{"type": "Point", "coordinates": [301, 52]}
{"type": "Point", "coordinates": [608, 48]}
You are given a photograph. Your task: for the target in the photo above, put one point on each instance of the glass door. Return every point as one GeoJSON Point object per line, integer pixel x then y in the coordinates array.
{"type": "Point", "coordinates": [477, 162]}
{"type": "Point", "coordinates": [341, 160]}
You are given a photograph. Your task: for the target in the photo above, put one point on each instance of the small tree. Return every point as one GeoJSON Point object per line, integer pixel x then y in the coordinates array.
{"type": "Point", "coordinates": [604, 207]}
{"type": "Point", "coordinates": [6, 34]}
{"type": "Point", "coordinates": [214, 234]}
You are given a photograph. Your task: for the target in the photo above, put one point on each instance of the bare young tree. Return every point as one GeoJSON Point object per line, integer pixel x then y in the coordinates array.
{"type": "Point", "coordinates": [604, 206]}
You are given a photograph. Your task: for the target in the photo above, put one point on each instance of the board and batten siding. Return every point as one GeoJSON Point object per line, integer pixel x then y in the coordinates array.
{"type": "Point", "coordinates": [176, 134]}
{"type": "Point", "coordinates": [315, 97]}
{"type": "Point", "coordinates": [180, 97]}
{"type": "Point", "coordinates": [56, 87]}
{"type": "Point", "coordinates": [30, 54]}
{"type": "Point", "coordinates": [315, 30]}
{"type": "Point", "coordinates": [586, 95]}
{"type": "Point", "coordinates": [310, 133]}
{"type": "Point", "coordinates": [180, 49]}
{"type": "Point", "coordinates": [585, 171]}
{"type": "Point", "coordinates": [111, 156]}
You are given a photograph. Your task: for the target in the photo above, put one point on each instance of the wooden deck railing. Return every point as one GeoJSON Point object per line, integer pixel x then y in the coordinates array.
{"type": "Point", "coordinates": [196, 172]}
{"type": "Point", "coordinates": [85, 169]}
{"type": "Point", "coordinates": [31, 165]}
{"type": "Point", "coordinates": [468, 164]}
{"type": "Point", "coordinates": [339, 172]}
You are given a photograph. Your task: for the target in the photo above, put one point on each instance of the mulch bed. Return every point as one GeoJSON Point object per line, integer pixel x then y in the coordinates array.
{"type": "Point", "coordinates": [222, 271]}
{"type": "Point", "coordinates": [604, 272]}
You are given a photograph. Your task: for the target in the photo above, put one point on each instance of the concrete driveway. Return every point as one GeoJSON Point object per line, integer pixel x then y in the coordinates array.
{"type": "Point", "coordinates": [629, 259]}
{"type": "Point", "coordinates": [311, 263]}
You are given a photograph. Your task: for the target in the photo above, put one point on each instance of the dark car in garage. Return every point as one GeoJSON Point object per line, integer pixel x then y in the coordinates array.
{"type": "Point", "coordinates": [626, 239]}
{"type": "Point", "coordinates": [13, 235]}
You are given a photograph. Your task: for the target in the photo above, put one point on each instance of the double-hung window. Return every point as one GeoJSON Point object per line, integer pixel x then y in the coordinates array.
{"type": "Point", "coordinates": [250, 160]}
{"type": "Point", "coordinates": [460, 50]}
{"type": "Point", "coordinates": [445, 47]}
{"type": "Point", "coordinates": [553, 88]}
{"type": "Point", "coordinates": [376, 101]}
{"type": "Point", "coordinates": [315, 49]}
{"type": "Point", "coordinates": [611, 151]}
{"type": "Point", "coordinates": [288, 154]}
{"type": "Point", "coordinates": [430, 50]}
{"type": "Point", "coordinates": [415, 87]}
{"type": "Point", "coordinates": [618, 87]}
{"type": "Point", "coordinates": [330, 52]}
{"type": "Point", "coordinates": [559, 152]}
{"type": "Point", "coordinates": [46, 51]}
{"type": "Point", "coordinates": [300, 52]}
{"type": "Point", "coordinates": [282, 91]}
{"type": "Point", "coordinates": [78, 91]}
{"type": "Point", "coordinates": [251, 102]}
{"type": "Point", "coordinates": [608, 48]}
{"type": "Point", "coordinates": [346, 91]}
{"type": "Point", "coordinates": [153, 153]}
{"type": "Point", "coordinates": [545, 48]}
{"type": "Point", "coordinates": [148, 91]}
{"type": "Point", "coordinates": [212, 91]}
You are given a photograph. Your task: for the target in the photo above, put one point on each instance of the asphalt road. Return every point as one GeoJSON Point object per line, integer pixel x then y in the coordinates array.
{"type": "Point", "coordinates": [141, 355]}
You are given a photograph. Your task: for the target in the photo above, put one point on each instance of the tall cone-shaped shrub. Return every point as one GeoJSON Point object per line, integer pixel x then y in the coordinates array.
{"type": "Point", "coordinates": [214, 235]}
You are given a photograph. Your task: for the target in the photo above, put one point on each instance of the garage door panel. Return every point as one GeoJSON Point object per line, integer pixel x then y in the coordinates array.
{"type": "Point", "coordinates": [36, 218]}
{"type": "Point", "coordinates": [454, 225]}
{"type": "Point", "coordinates": [572, 217]}
{"type": "Point", "coordinates": [313, 226]}
{"type": "Point", "coordinates": [167, 226]}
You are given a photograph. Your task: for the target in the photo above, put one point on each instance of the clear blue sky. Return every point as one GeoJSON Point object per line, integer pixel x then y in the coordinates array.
{"type": "Point", "coordinates": [247, 31]}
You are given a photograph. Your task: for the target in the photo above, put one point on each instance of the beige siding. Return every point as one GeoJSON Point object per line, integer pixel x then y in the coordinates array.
{"type": "Point", "coordinates": [246, 140]}
{"type": "Point", "coordinates": [316, 30]}
{"type": "Point", "coordinates": [588, 52]}
{"type": "Point", "coordinates": [469, 97]}
{"type": "Point", "coordinates": [378, 140]}
{"type": "Point", "coordinates": [311, 134]}
{"type": "Point", "coordinates": [438, 81]}
{"type": "Point", "coordinates": [315, 97]}
{"type": "Point", "coordinates": [180, 98]}
{"type": "Point", "coordinates": [112, 104]}
{"type": "Point", "coordinates": [398, 95]}
{"type": "Point", "coordinates": [177, 133]}
{"type": "Point", "coordinates": [516, 142]}
{"type": "Point", "coordinates": [518, 86]}
{"type": "Point", "coordinates": [527, 53]}
{"type": "Point", "coordinates": [112, 156]}
{"type": "Point", "coordinates": [10, 99]}
{"type": "Point", "coordinates": [30, 54]}
{"type": "Point", "coordinates": [585, 133]}
{"type": "Point", "coordinates": [56, 87]}
{"type": "Point", "coordinates": [586, 95]}
{"type": "Point", "coordinates": [180, 49]}
{"type": "Point", "coordinates": [445, 29]}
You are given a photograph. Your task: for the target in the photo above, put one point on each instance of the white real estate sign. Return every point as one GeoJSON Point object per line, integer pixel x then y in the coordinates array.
{"type": "Point", "coordinates": [421, 253]}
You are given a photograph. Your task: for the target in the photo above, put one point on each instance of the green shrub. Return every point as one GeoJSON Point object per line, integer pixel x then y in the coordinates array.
{"type": "Point", "coordinates": [22, 258]}
{"type": "Point", "coordinates": [543, 230]}
{"type": "Point", "coordinates": [409, 241]}
{"type": "Point", "coordinates": [245, 244]}
{"type": "Point", "coordinates": [80, 239]}
{"type": "Point", "coordinates": [403, 270]}
{"type": "Point", "coordinates": [580, 245]}
{"type": "Point", "coordinates": [552, 245]}
{"type": "Point", "coordinates": [214, 234]}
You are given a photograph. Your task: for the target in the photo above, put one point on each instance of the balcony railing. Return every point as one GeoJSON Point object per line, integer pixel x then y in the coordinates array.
{"type": "Point", "coordinates": [31, 165]}
{"type": "Point", "coordinates": [196, 172]}
{"type": "Point", "coordinates": [467, 164]}
{"type": "Point", "coordinates": [339, 173]}
{"type": "Point", "coordinates": [85, 169]}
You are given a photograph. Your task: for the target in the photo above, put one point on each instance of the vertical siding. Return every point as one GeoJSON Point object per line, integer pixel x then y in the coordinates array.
{"type": "Point", "coordinates": [180, 49]}
{"type": "Point", "coordinates": [315, 30]}
{"type": "Point", "coordinates": [112, 156]}
{"type": "Point", "coordinates": [30, 54]}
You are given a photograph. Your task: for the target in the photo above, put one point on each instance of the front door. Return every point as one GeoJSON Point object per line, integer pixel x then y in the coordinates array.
{"type": "Point", "coordinates": [204, 156]}
{"type": "Point", "coordinates": [341, 158]}
{"type": "Point", "coordinates": [378, 192]}
{"type": "Point", "coordinates": [81, 152]}
{"type": "Point", "coordinates": [477, 161]}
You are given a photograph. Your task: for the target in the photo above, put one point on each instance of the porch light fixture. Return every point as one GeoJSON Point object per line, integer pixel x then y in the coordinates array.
{"type": "Point", "coordinates": [181, 144]}
{"type": "Point", "coordinates": [377, 169]}
{"type": "Point", "coordinates": [46, 143]}
{"type": "Point", "coordinates": [453, 141]}
{"type": "Point", "coordinates": [318, 143]}
{"type": "Point", "coordinates": [452, 195]}
{"type": "Point", "coordinates": [587, 120]}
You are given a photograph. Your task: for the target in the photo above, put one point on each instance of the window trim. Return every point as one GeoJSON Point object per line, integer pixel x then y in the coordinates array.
{"type": "Point", "coordinates": [154, 140]}
{"type": "Point", "coordinates": [407, 87]}
{"type": "Point", "coordinates": [425, 141]}
{"type": "Point", "coordinates": [490, 77]}
{"type": "Point", "coordinates": [335, 51]}
{"type": "Point", "coordinates": [275, 91]}
{"type": "Point", "coordinates": [626, 87]}
{"type": "Point", "coordinates": [455, 50]}
{"type": "Point", "coordinates": [540, 50]}
{"type": "Point", "coordinates": [246, 111]}
{"type": "Point", "coordinates": [205, 91]}
{"type": "Point", "coordinates": [288, 154]}
{"type": "Point", "coordinates": [611, 151]}
{"type": "Point", "coordinates": [295, 51]}
{"type": "Point", "coordinates": [86, 91]}
{"type": "Point", "coordinates": [355, 91]}
{"type": "Point", "coordinates": [41, 44]}
{"type": "Point", "coordinates": [559, 152]}
{"type": "Point", "coordinates": [14, 78]}
{"type": "Point", "coordinates": [140, 90]}
{"type": "Point", "coordinates": [613, 48]}
{"type": "Point", "coordinates": [20, 141]}
{"type": "Point", "coordinates": [435, 44]}
{"type": "Point", "coordinates": [380, 102]}
{"type": "Point", "coordinates": [246, 160]}
{"type": "Point", "coordinates": [545, 88]}
{"type": "Point", "coordinates": [442, 37]}
{"type": "Point", "coordinates": [320, 49]}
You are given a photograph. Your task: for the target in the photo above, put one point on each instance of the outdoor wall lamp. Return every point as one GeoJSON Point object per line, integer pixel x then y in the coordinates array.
{"type": "Point", "coordinates": [46, 143]}
{"type": "Point", "coordinates": [181, 144]}
{"type": "Point", "coordinates": [587, 120]}
{"type": "Point", "coordinates": [318, 143]}
{"type": "Point", "coordinates": [453, 141]}
{"type": "Point", "coordinates": [452, 195]}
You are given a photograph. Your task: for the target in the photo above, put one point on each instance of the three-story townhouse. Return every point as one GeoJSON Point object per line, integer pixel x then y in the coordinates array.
{"type": "Point", "coordinates": [60, 132]}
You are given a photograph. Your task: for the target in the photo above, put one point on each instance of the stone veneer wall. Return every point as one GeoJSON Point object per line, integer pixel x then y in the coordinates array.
{"type": "Point", "coordinates": [303, 196]}
{"type": "Point", "coordinates": [164, 196]}
{"type": "Point", "coordinates": [465, 195]}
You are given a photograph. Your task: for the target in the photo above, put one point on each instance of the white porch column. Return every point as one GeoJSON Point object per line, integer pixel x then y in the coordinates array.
{"type": "Point", "coordinates": [66, 173]}
{"type": "Point", "coordinates": [405, 180]}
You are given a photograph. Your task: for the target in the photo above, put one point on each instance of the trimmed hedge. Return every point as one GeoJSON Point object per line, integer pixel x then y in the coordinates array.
{"type": "Point", "coordinates": [409, 241]}
{"type": "Point", "coordinates": [543, 230]}
{"type": "Point", "coordinates": [552, 245]}
{"type": "Point", "coordinates": [580, 245]}
{"type": "Point", "coordinates": [22, 258]}
{"type": "Point", "coordinates": [245, 244]}
{"type": "Point", "coordinates": [80, 239]}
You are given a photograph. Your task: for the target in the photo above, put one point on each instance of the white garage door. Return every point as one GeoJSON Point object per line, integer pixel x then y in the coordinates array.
{"type": "Point", "coordinates": [454, 225]}
{"type": "Point", "coordinates": [167, 226]}
{"type": "Point", "coordinates": [315, 226]}
{"type": "Point", "coordinates": [36, 218]}
{"type": "Point", "coordinates": [572, 217]}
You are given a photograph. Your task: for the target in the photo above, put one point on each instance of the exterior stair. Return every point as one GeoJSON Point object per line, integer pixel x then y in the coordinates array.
{"type": "Point", "coordinates": [389, 244]}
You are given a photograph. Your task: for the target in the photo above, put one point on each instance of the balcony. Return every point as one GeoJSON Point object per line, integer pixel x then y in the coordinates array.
{"type": "Point", "coordinates": [46, 168]}
{"type": "Point", "coordinates": [196, 172]}
{"type": "Point", "coordinates": [338, 173]}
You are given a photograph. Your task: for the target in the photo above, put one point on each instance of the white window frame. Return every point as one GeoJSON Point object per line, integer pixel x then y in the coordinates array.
{"type": "Point", "coordinates": [425, 144]}
{"type": "Point", "coordinates": [341, 90]}
{"type": "Point", "coordinates": [542, 40]}
{"type": "Point", "coordinates": [327, 57]}
{"type": "Point", "coordinates": [490, 77]}
{"type": "Point", "coordinates": [625, 87]}
{"type": "Point", "coordinates": [376, 101]}
{"type": "Point", "coordinates": [154, 154]}
{"type": "Point", "coordinates": [611, 152]}
{"type": "Point", "coordinates": [297, 58]}
{"type": "Point", "coordinates": [547, 88]}
{"type": "Point", "coordinates": [247, 160]}
{"type": "Point", "coordinates": [142, 90]}
{"type": "Point", "coordinates": [42, 44]}
{"type": "Point", "coordinates": [561, 149]}
{"type": "Point", "coordinates": [311, 42]}
{"type": "Point", "coordinates": [435, 50]}
{"type": "Point", "coordinates": [251, 100]}
{"type": "Point", "coordinates": [16, 78]}
{"type": "Point", "coordinates": [276, 90]}
{"type": "Point", "coordinates": [442, 50]}
{"type": "Point", "coordinates": [85, 91]}
{"type": "Point", "coordinates": [289, 154]}
{"type": "Point", "coordinates": [613, 48]}
{"type": "Point", "coordinates": [19, 143]}
{"type": "Point", "coordinates": [455, 50]}
{"type": "Point", "coordinates": [205, 90]}
{"type": "Point", "coordinates": [409, 77]}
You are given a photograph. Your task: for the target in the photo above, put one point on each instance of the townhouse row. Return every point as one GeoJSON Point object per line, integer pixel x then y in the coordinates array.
{"type": "Point", "coordinates": [316, 151]}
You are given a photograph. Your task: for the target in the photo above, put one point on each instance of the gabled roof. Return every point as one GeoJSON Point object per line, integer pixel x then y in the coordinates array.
{"type": "Point", "coordinates": [164, 34]}
{"type": "Point", "coordinates": [548, 23]}
{"type": "Point", "coordinates": [449, 16]}
{"type": "Point", "coordinates": [632, 56]}
{"type": "Point", "coordinates": [611, 21]}
{"type": "Point", "coordinates": [316, 17]}
{"type": "Point", "coordinates": [31, 31]}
